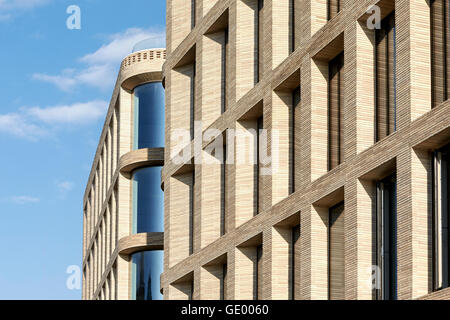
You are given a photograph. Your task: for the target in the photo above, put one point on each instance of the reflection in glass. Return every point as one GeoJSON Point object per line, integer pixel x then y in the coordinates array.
{"type": "Point", "coordinates": [148, 201]}
{"type": "Point", "coordinates": [149, 116]}
{"type": "Point", "coordinates": [147, 267]}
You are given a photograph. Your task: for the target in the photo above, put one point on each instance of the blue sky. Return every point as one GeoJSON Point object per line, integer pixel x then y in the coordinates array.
{"type": "Point", "coordinates": [55, 87]}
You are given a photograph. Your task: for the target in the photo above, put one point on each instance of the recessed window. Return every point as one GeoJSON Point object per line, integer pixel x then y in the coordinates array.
{"type": "Point", "coordinates": [258, 273]}
{"type": "Point", "coordinates": [147, 267]}
{"type": "Point", "coordinates": [386, 243]}
{"type": "Point", "coordinates": [259, 26]}
{"type": "Point", "coordinates": [192, 214]}
{"type": "Point", "coordinates": [149, 116]}
{"type": "Point", "coordinates": [333, 8]}
{"type": "Point", "coordinates": [440, 63]}
{"type": "Point", "coordinates": [441, 166]}
{"type": "Point", "coordinates": [148, 201]}
{"type": "Point", "coordinates": [192, 109]}
{"type": "Point", "coordinates": [292, 16]}
{"type": "Point", "coordinates": [295, 234]}
{"type": "Point", "coordinates": [225, 49]}
{"type": "Point", "coordinates": [223, 282]}
{"type": "Point", "coordinates": [386, 80]}
{"type": "Point", "coordinates": [258, 184]}
{"type": "Point", "coordinates": [223, 192]}
{"type": "Point", "coordinates": [335, 112]}
{"type": "Point", "coordinates": [295, 103]}
{"type": "Point", "coordinates": [193, 13]}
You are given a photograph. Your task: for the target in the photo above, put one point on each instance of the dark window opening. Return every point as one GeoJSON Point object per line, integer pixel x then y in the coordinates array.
{"type": "Point", "coordinates": [193, 89]}
{"type": "Point", "coordinates": [192, 215]}
{"type": "Point", "coordinates": [191, 291]}
{"type": "Point", "coordinates": [333, 8]}
{"type": "Point", "coordinates": [292, 26]}
{"type": "Point", "coordinates": [259, 25]}
{"type": "Point", "coordinates": [440, 55]}
{"type": "Point", "coordinates": [387, 238]}
{"type": "Point", "coordinates": [294, 260]}
{"type": "Point", "coordinates": [335, 112]}
{"type": "Point", "coordinates": [441, 187]}
{"type": "Point", "coordinates": [386, 85]}
{"type": "Point", "coordinates": [296, 97]}
{"type": "Point", "coordinates": [193, 14]}
{"type": "Point", "coordinates": [224, 70]}
{"type": "Point", "coordinates": [258, 273]}
{"type": "Point", "coordinates": [223, 196]}
{"type": "Point", "coordinates": [257, 198]}
{"type": "Point", "coordinates": [223, 282]}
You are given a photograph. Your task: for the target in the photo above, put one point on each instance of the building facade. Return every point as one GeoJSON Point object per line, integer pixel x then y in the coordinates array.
{"type": "Point", "coordinates": [341, 190]}
{"type": "Point", "coordinates": [123, 225]}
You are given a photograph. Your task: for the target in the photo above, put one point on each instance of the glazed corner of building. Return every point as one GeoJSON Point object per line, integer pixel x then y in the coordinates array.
{"type": "Point", "coordinates": [230, 71]}
{"type": "Point", "coordinates": [116, 235]}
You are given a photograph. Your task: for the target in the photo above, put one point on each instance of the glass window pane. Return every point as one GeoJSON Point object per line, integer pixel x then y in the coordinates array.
{"type": "Point", "coordinates": [148, 201]}
{"type": "Point", "coordinates": [147, 267]}
{"type": "Point", "coordinates": [149, 116]}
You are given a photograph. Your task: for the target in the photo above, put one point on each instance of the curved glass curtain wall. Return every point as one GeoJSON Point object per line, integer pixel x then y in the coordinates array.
{"type": "Point", "coordinates": [148, 201]}
{"type": "Point", "coordinates": [149, 116]}
{"type": "Point", "coordinates": [147, 267]}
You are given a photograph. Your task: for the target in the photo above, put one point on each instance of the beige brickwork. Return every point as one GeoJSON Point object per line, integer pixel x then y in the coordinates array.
{"type": "Point", "coordinates": [405, 153]}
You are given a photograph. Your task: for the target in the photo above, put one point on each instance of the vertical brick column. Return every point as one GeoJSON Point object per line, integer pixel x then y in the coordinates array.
{"type": "Point", "coordinates": [280, 256]}
{"type": "Point", "coordinates": [244, 275]}
{"type": "Point", "coordinates": [280, 114]}
{"type": "Point", "coordinates": [114, 214]}
{"type": "Point", "coordinates": [209, 282]}
{"type": "Point", "coordinates": [210, 70]}
{"type": "Point", "coordinates": [231, 274]}
{"type": "Point", "coordinates": [314, 248]}
{"type": "Point", "coordinates": [278, 16]}
{"type": "Point", "coordinates": [318, 15]}
{"type": "Point", "coordinates": [243, 40]}
{"type": "Point", "coordinates": [231, 183]}
{"type": "Point", "coordinates": [413, 60]}
{"type": "Point", "coordinates": [359, 195]}
{"type": "Point", "coordinates": [123, 279]}
{"type": "Point", "coordinates": [315, 101]}
{"type": "Point", "coordinates": [421, 203]}
{"type": "Point", "coordinates": [179, 105]}
{"type": "Point", "coordinates": [178, 208]}
{"type": "Point", "coordinates": [179, 22]}
{"type": "Point", "coordinates": [210, 195]}
{"type": "Point", "coordinates": [244, 184]}
{"type": "Point", "coordinates": [413, 223]}
{"type": "Point", "coordinates": [268, 155]}
{"type": "Point", "coordinates": [359, 107]}
{"type": "Point", "coordinates": [124, 191]}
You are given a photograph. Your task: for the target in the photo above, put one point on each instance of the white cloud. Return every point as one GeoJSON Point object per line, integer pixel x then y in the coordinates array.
{"type": "Point", "coordinates": [17, 125]}
{"type": "Point", "coordinates": [121, 44]}
{"type": "Point", "coordinates": [36, 122]}
{"type": "Point", "coordinates": [24, 199]}
{"type": "Point", "coordinates": [64, 83]}
{"type": "Point", "coordinates": [102, 65]}
{"type": "Point", "coordinates": [78, 113]}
